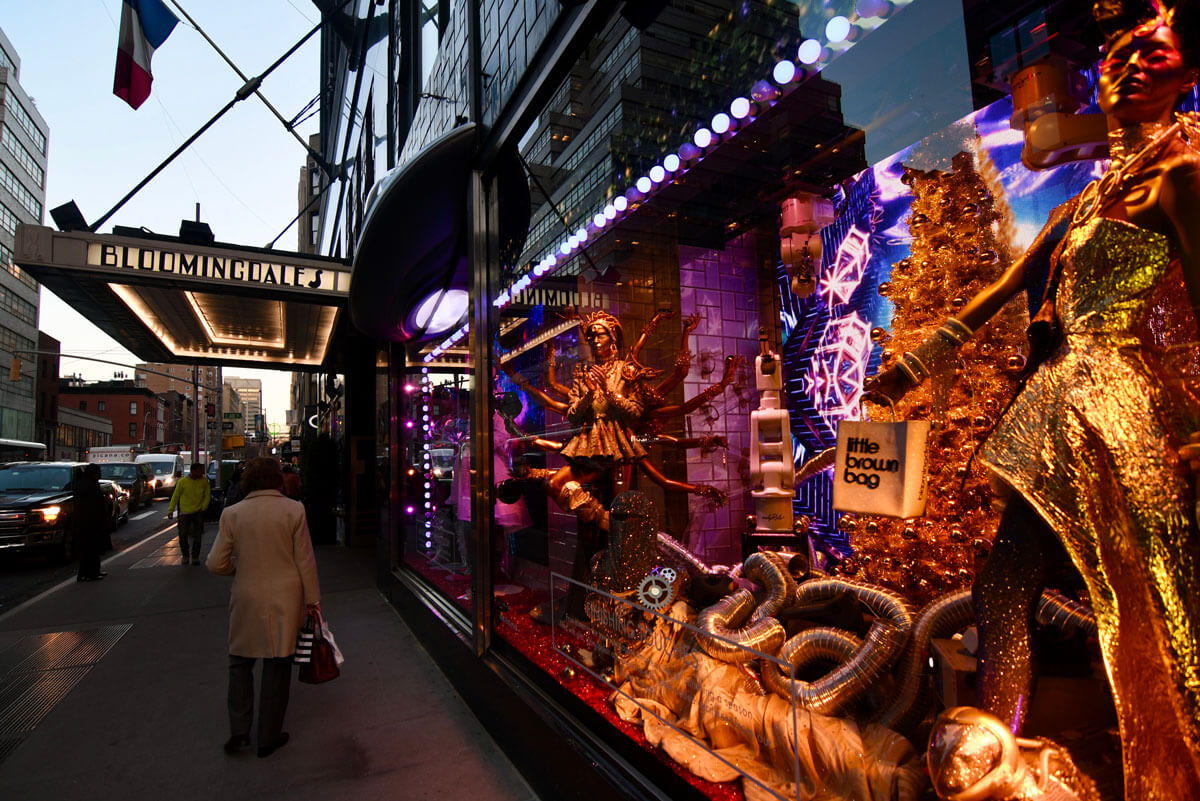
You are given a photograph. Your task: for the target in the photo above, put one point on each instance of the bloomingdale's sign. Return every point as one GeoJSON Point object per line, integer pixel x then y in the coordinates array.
{"type": "Point", "coordinates": [231, 267]}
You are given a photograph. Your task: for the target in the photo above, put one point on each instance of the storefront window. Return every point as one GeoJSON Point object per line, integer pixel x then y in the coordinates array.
{"type": "Point", "coordinates": [435, 498]}
{"type": "Point", "coordinates": [735, 223]}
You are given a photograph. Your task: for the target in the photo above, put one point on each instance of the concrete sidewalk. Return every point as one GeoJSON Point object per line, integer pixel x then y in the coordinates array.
{"type": "Point", "coordinates": [116, 690]}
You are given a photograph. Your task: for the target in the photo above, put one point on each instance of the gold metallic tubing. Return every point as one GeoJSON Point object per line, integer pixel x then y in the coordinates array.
{"type": "Point", "coordinates": [862, 667]}
{"type": "Point", "coordinates": [794, 563]}
{"type": "Point", "coordinates": [676, 548]}
{"type": "Point", "coordinates": [882, 602]}
{"type": "Point", "coordinates": [721, 638]}
{"type": "Point", "coordinates": [1056, 609]}
{"type": "Point", "coordinates": [940, 618]}
{"type": "Point", "coordinates": [769, 572]}
{"type": "Point", "coordinates": [863, 662]}
{"type": "Point", "coordinates": [838, 689]}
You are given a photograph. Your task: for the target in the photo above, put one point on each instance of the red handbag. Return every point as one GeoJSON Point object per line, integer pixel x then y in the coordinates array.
{"type": "Point", "coordinates": [316, 652]}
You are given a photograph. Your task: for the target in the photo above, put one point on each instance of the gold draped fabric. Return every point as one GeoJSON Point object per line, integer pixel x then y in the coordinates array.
{"type": "Point", "coordinates": [1091, 444]}
{"type": "Point", "coordinates": [674, 689]}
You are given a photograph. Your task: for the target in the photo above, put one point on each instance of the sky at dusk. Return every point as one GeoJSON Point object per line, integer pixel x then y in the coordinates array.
{"type": "Point", "coordinates": [243, 172]}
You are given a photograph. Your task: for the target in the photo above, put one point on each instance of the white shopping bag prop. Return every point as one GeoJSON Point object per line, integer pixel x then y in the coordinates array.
{"type": "Point", "coordinates": [880, 468]}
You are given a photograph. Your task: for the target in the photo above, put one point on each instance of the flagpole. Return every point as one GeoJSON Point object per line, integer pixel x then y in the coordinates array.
{"type": "Point", "coordinates": [316, 156]}
{"type": "Point", "coordinates": [242, 94]}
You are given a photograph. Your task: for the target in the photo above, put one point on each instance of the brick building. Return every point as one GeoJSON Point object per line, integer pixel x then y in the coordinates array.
{"type": "Point", "coordinates": [138, 415]}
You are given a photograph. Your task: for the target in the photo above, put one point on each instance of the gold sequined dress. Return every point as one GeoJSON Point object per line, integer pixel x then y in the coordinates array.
{"type": "Point", "coordinates": [606, 420]}
{"type": "Point", "coordinates": [1091, 444]}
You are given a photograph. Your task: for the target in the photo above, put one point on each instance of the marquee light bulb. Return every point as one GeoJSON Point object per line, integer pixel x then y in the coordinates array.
{"type": "Point", "coordinates": [809, 52]}
{"type": "Point", "coordinates": [671, 163]}
{"type": "Point", "coordinates": [644, 185]}
{"type": "Point", "coordinates": [837, 29]}
{"type": "Point", "coordinates": [785, 71]}
{"type": "Point", "coordinates": [703, 138]}
{"type": "Point", "coordinates": [721, 123]}
{"type": "Point", "coordinates": [658, 174]}
{"type": "Point", "coordinates": [740, 108]}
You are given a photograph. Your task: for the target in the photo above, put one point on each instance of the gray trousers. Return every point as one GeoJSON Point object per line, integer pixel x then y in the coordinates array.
{"type": "Point", "coordinates": [272, 697]}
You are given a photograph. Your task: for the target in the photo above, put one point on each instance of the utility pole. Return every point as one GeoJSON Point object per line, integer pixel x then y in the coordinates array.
{"type": "Point", "coordinates": [195, 414]}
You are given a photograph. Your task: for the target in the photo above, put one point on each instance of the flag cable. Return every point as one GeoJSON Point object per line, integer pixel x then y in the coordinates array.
{"type": "Point", "coordinates": [247, 81]}
{"type": "Point", "coordinates": [251, 87]}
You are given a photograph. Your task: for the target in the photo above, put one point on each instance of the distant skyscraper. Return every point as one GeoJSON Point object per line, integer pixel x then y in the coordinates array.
{"type": "Point", "coordinates": [250, 391]}
{"type": "Point", "coordinates": [23, 135]}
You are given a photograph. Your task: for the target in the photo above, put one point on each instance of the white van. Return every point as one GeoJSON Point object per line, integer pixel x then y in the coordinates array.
{"type": "Point", "coordinates": [168, 468]}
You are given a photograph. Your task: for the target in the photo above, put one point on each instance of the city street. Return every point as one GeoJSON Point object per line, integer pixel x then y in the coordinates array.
{"type": "Point", "coordinates": [23, 576]}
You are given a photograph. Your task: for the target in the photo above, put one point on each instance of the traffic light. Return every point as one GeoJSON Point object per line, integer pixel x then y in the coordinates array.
{"type": "Point", "coordinates": [14, 372]}
{"type": "Point", "coordinates": [211, 410]}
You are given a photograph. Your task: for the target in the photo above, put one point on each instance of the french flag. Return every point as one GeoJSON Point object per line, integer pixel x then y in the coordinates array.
{"type": "Point", "coordinates": [145, 24]}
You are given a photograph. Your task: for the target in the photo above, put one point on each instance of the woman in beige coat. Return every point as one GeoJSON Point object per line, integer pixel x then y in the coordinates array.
{"type": "Point", "coordinates": [264, 544]}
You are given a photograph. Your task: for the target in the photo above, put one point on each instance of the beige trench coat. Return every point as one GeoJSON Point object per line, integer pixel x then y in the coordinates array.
{"type": "Point", "coordinates": [264, 544]}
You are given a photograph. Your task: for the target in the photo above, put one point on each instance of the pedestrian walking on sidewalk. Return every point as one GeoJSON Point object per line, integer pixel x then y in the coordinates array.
{"type": "Point", "coordinates": [192, 495]}
{"type": "Point", "coordinates": [89, 522]}
{"type": "Point", "coordinates": [264, 544]}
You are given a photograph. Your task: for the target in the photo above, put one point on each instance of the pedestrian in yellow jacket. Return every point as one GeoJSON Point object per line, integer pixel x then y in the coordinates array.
{"type": "Point", "coordinates": [191, 496]}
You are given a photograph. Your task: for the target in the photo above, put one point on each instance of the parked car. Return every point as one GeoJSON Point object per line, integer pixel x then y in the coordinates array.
{"type": "Point", "coordinates": [36, 501]}
{"type": "Point", "coordinates": [168, 468]}
{"type": "Point", "coordinates": [118, 500]}
{"type": "Point", "coordinates": [136, 478]}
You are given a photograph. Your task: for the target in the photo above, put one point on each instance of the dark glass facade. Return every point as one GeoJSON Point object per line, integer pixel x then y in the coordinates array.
{"type": "Point", "coordinates": [681, 237]}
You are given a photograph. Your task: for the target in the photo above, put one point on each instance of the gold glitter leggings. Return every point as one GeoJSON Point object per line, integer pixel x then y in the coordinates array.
{"type": "Point", "coordinates": [1024, 554]}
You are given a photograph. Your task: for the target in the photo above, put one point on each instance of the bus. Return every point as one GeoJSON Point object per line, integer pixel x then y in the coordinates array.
{"type": "Point", "coordinates": [15, 450]}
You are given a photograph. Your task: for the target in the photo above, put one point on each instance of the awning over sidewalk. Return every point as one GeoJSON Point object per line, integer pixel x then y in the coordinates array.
{"type": "Point", "coordinates": [167, 300]}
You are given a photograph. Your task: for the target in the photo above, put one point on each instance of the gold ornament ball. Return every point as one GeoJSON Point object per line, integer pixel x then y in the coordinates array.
{"type": "Point", "coordinates": [958, 302]}
{"type": "Point", "coordinates": [927, 265]}
{"type": "Point", "coordinates": [567, 672]}
{"type": "Point", "coordinates": [988, 258]}
{"type": "Point", "coordinates": [986, 349]}
{"type": "Point", "coordinates": [924, 407]}
{"type": "Point", "coordinates": [880, 335]}
{"type": "Point", "coordinates": [982, 547]}
{"type": "Point", "coordinates": [885, 288]}
{"type": "Point", "coordinates": [872, 527]}
{"type": "Point", "coordinates": [918, 221]}
{"type": "Point", "coordinates": [958, 535]}
{"type": "Point", "coordinates": [1015, 363]}
{"type": "Point", "coordinates": [847, 524]}
{"type": "Point", "coordinates": [909, 533]}
{"type": "Point", "coordinates": [902, 266]}
{"type": "Point", "coordinates": [972, 210]}
{"type": "Point", "coordinates": [888, 356]}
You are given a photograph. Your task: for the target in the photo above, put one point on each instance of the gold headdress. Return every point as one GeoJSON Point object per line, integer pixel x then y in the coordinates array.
{"type": "Point", "coordinates": [605, 320]}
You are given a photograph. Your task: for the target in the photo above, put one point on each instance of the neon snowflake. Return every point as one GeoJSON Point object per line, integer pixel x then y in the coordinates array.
{"type": "Point", "coordinates": [838, 367]}
{"type": "Point", "coordinates": [839, 282]}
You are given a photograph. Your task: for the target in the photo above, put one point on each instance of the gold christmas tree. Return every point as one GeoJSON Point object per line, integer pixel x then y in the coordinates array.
{"type": "Point", "coordinates": [960, 244]}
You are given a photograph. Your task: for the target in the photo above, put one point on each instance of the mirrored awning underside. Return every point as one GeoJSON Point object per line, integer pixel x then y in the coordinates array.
{"type": "Point", "coordinates": [170, 301]}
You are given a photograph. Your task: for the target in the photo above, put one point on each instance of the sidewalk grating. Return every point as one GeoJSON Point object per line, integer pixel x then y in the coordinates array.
{"type": "Point", "coordinates": [38, 671]}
